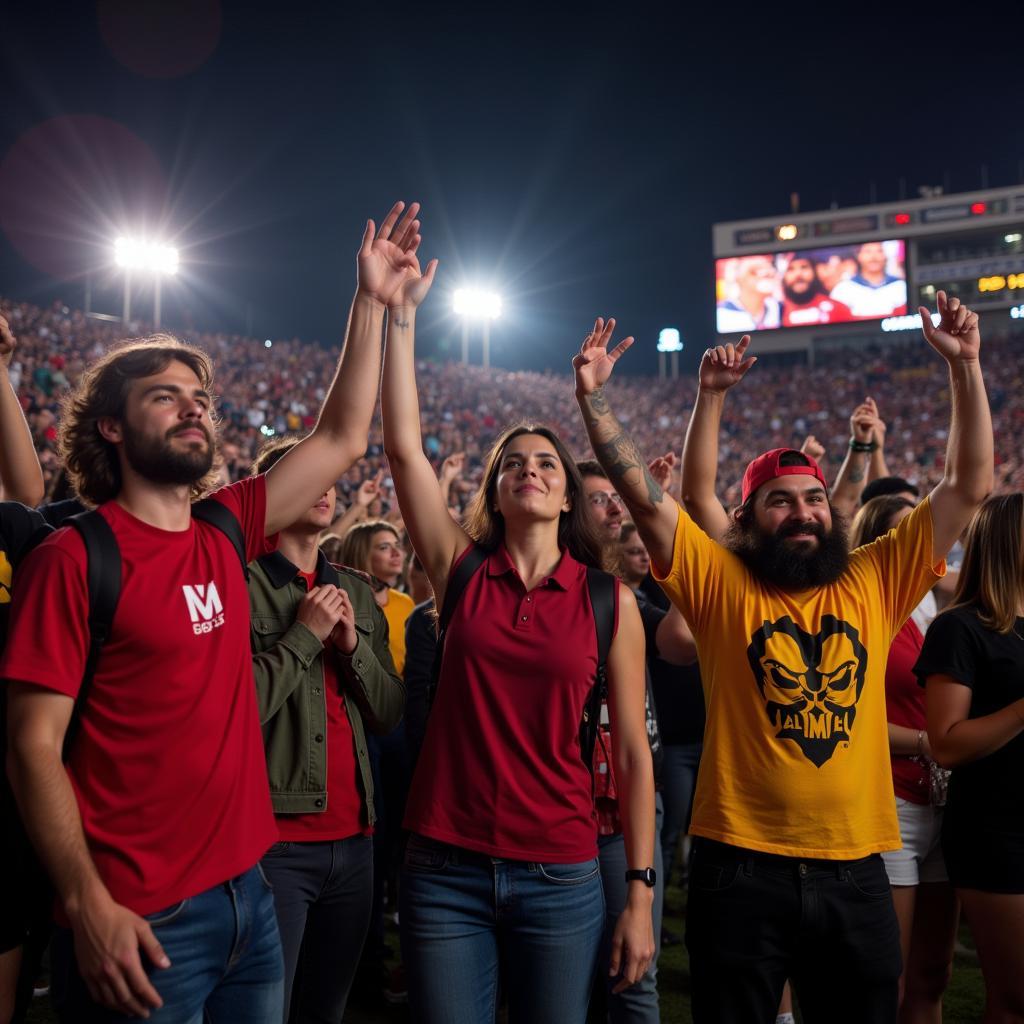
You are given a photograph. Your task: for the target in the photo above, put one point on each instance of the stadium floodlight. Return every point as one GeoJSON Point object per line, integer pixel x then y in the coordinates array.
{"type": "Point", "coordinates": [669, 341]}
{"type": "Point", "coordinates": [137, 256]}
{"type": "Point", "coordinates": [786, 232]}
{"type": "Point", "coordinates": [477, 304]}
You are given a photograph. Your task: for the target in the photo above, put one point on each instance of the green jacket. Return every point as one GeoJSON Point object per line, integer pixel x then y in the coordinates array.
{"type": "Point", "coordinates": [291, 695]}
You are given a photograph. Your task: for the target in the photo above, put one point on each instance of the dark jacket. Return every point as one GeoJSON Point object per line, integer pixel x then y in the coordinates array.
{"type": "Point", "coordinates": [291, 695]}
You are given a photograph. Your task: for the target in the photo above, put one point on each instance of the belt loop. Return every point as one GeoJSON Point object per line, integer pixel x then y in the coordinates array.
{"type": "Point", "coordinates": [748, 866]}
{"type": "Point", "coordinates": [842, 870]}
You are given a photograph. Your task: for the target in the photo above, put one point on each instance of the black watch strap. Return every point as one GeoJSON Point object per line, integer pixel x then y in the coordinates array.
{"type": "Point", "coordinates": [646, 875]}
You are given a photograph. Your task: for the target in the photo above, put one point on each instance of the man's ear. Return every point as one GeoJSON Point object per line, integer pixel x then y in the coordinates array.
{"type": "Point", "coordinates": [110, 429]}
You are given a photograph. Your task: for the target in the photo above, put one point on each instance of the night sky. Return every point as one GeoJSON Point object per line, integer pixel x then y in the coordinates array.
{"type": "Point", "coordinates": [575, 158]}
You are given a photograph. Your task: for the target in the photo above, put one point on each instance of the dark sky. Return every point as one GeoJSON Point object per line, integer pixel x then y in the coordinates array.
{"type": "Point", "coordinates": [576, 157]}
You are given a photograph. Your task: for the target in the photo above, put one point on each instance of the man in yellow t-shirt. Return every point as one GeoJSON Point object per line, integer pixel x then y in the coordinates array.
{"type": "Point", "coordinates": [794, 797]}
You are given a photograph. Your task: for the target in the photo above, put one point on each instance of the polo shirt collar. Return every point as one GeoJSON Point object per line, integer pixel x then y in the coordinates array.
{"type": "Point", "coordinates": [280, 571]}
{"type": "Point", "coordinates": [499, 562]}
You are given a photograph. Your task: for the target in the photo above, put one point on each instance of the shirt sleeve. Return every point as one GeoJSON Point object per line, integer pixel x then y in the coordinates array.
{"type": "Point", "coordinates": [951, 648]}
{"type": "Point", "coordinates": [902, 560]}
{"type": "Point", "coordinates": [694, 581]}
{"type": "Point", "coordinates": [247, 499]}
{"type": "Point", "coordinates": [48, 640]}
{"type": "Point", "coordinates": [650, 616]}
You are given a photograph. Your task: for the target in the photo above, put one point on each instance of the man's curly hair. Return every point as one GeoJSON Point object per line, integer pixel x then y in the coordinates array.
{"type": "Point", "coordinates": [91, 461]}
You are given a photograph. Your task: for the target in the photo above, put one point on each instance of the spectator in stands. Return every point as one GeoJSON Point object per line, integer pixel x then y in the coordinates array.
{"type": "Point", "coordinates": [894, 485]}
{"type": "Point", "coordinates": [605, 505]}
{"type": "Point", "coordinates": [785, 601]}
{"type": "Point", "coordinates": [805, 300]}
{"type": "Point", "coordinates": [324, 678]}
{"type": "Point", "coordinates": [972, 663]}
{"type": "Point", "coordinates": [154, 850]}
{"type": "Point", "coordinates": [500, 799]}
{"type": "Point", "coordinates": [872, 291]}
{"type": "Point", "coordinates": [926, 906]}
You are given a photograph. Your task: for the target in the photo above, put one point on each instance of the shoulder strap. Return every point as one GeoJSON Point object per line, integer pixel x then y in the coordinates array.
{"type": "Point", "coordinates": [457, 580]}
{"type": "Point", "coordinates": [601, 586]}
{"type": "Point", "coordinates": [103, 583]}
{"type": "Point", "coordinates": [211, 511]}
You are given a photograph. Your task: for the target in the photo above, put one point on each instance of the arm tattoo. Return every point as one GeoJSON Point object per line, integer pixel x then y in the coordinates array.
{"type": "Point", "coordinates": [398, 322]}
{"type": "Point", "coordinates": [856, 475]}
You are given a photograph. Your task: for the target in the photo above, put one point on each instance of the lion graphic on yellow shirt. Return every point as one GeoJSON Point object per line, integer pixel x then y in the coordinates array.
{"type": "Point", "coordinates": [810, 682]}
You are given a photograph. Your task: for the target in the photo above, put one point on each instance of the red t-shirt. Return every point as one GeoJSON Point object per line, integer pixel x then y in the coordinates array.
{"type": "Point", "coordinates": [820, 310]}
{"type": "Point", "coordinates": [168, 766]}
{"type": "Point", "coordinates": [904, 705]}
{"type": "Point", "coordinates": [345, 813]}
{"type": "Point", "coordinates": [500, 771]}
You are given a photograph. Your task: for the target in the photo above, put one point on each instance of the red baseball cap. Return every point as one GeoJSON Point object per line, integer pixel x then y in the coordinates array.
{"type": "Point", "coordinates": [769, 467]}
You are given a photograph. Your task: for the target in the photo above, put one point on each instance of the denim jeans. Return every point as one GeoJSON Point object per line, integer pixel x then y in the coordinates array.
{"type": "Point", "coordinates": [469, 920]}
{"type": "Point", "coordinates": [225, 955]}
{"type": "Point", "coordinates": [322, 894]}
{"type": "Point", "coordinates": [637, 1004]}
{"type": "Point", "coordinates": [678, 783]}
{"type": "Point", "coordinates": [755, 919]}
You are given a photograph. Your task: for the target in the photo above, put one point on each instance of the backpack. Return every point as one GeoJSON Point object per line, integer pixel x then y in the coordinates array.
{"type": "Point", "coordinates": [103, 583]}
{"type": "Point", "coordinates": [601, 586]}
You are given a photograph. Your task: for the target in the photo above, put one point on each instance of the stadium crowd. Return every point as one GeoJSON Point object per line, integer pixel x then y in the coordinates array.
{"type": "Point", "coordinates": [219, 845]}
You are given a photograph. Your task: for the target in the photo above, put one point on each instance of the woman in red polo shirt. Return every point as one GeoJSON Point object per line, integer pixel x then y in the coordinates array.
{"type": "Point", "coordinates": [501, 874]}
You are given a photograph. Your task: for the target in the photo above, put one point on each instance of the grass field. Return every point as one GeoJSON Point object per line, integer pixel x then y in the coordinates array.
{"type": "Point", "coordinates": [963, 1003]}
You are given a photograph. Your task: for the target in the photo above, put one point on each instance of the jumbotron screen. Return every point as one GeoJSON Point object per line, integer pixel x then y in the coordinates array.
{"type": "Point", "coordinates": [831, 285]}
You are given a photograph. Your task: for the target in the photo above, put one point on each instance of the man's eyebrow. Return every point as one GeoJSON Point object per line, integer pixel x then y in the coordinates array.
{"type": "Point", "coordinates": [786, 494]}
{"type": "Point", "coordinates": [176, 389]}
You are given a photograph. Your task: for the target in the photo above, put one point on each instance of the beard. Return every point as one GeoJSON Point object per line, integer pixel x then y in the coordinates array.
{"type": "Point", "coordinates": [160, 463]}
{"type": "Point", "coordinates": [789, 567]}
{"type": "Point", "coordinates": [805, 295]}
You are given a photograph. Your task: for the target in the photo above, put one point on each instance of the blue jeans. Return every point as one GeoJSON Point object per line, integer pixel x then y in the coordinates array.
{"type": "Point", "coordinates": [468, 919]}
{"type": "Point", "coordinates": [322, 892]}
{"type": "Point", "coordinates": [225, 955]}
{"type": "Point", "coordinates": [678, 783]}
{"type": "Point", "coordinates": [639, 1002]}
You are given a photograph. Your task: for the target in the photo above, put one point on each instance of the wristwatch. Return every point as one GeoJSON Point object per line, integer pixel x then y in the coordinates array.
{"type": "Point", "coordinates": [646, 875]}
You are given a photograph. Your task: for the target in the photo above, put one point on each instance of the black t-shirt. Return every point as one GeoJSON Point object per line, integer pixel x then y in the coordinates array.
{"type": "Point", "coordinates": [987, 791]}
{"type": "Point", "coordinates": [678, 692]}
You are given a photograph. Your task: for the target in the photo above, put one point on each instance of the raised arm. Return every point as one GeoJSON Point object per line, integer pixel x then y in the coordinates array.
{"type": "Point", "coordinates": [654, 512]}
{"type": "Point", "coordinates": [339, 438]}
{"type": "Point", "coordinates": [21, 476]}
{"type": "Point", "coordinates": [721, 368]}
{"type": "Point", "coordinates": [968, 475]}
{"type": "Point", "coordinates": [853, 472]}
{"type": "Point", "coordinates": [435, 536]}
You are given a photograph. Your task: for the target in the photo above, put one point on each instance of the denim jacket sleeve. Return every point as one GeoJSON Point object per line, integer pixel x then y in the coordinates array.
{"type": "Point", "coordinates": [369, 672]}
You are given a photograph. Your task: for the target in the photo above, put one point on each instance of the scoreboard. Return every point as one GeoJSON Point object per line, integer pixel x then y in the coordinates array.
{"type": "Point", "coordinates": [834, 274]}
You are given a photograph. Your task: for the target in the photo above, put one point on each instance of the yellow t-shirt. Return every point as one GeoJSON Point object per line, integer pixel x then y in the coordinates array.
{"type": "Point", "coordinates": [396, 611]}
{"type": "Point", "coordinates": [796, 752]}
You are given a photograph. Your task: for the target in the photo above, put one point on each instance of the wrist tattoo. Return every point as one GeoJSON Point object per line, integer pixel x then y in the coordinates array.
{"type": "Point", "coordinates": [399, 322]}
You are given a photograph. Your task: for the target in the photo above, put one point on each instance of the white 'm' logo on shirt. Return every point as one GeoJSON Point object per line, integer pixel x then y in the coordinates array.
{"type": "Point", "coordinates": [204, 607]}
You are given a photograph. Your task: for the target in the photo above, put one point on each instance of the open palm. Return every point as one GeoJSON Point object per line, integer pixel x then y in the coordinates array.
{"type": "Point", "coordinates": [725, 365]}
{"type": "Point", "coordinates": [415, 283]}
{"type": "Point", "coordinates": [385, 256]}
{"type": "Point", "coordinates": [593, 364]}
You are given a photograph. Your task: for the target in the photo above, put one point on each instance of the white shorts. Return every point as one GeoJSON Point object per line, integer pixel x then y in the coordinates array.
{"type": "Point", "coordinates": [920, 861]}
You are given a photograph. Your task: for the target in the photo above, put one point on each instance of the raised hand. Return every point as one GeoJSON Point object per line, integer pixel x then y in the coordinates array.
{"type": "Point", "coordinates": [957, 337]}
{"type": "Point", "coordinates": [369, 490]}
{"type": "Point", "coordinates": [385, 256]}
{"type": "Point", "coordinates": [451, 468]}
{"type": "Point", "coordinates": [7, 342]}
{"type": "Point", "coordinates": [725, 365]}
{"type": "Point", "coordinates": [813, 447]}
{"type": "Point", "coordinates": [661, 470]}
{"type": "Point", "coordinates": [865, 425]}
{"type": "Point", "coordinates": [416, 283]}
{"type": "Point", "coordinates": [593, 364]}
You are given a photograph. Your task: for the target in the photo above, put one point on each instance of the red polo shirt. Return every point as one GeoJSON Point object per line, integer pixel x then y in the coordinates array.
{"type": "Point", "coordinates": [500, 771]}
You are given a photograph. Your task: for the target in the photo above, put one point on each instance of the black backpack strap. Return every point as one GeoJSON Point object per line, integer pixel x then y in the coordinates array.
{"type": "Point", "coordinates": [601, 586]}
{"type": "Point", "coordinates": [457, 580]}
{"type": "Point", "coordinates": [211, 511]}
{"type": "Point", "coordinates": [103, 583]}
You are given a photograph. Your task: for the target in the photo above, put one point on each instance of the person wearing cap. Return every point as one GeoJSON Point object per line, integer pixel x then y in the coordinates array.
{"type": "Point", "coordinates": [794, 800]}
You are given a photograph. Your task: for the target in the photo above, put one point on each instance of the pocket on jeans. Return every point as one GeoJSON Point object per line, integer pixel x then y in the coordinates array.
{"type": "Point", "coordinates": [422, 854]}
{"type": "Point", "coordinates": [263, 877]}
{"type": "Point", "coordinates": [868, 878]}
{"type": "Point", "coordinates": [168, 914]}
{"type": "Point", "coordinates": [569, 874]}
{"type": "Point", "coordinates": [710, 877]}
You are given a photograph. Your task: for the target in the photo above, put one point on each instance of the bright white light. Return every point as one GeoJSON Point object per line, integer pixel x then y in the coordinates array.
{"type": "Point", "coordinates": [477, 304]}
{"type": "Point", "coordinates": [786, 232]}
{"type": "Point", "coordinates": [907, 323]}
{"type": "Point", "coordinates": [267, 431]}
{"type": "Point", "coordinates": [1017, 312]}
{"type": "Point", "coordinates": [133, 254]}
{"type": "Point", "coordinates": [1012, 238]}
{"type": "Point", "coordinates": [268, 344]}
{"type": "Point", "coordinates": [669, 340]}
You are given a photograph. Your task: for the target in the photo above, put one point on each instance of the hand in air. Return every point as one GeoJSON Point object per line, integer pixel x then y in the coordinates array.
{"type": "Point", "coordinates": [593, 364]}
{"type": "Point", "coordinates": [725, 365]}
{"type": "Point", "coordinates": [865, 424]}
{"type": "Point", "coordinates": [387, 256]}
{"type": "Point", "coordinates": [957, 337]}
{"type": "Point", "coordinates": [813, 447]}
{"type": "Point", "coordinates": [662, 469]}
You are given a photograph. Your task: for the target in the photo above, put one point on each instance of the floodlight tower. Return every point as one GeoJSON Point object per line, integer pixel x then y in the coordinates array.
{"type": "Point", "coordinates": [669, 341]}
{"type": "Point", "coordinates": [149, 257]}
{"type": "Point", "coordinates": [476, 304]}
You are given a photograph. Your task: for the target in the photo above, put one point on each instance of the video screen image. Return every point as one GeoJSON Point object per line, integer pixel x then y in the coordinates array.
{"type": "Point", "coordinates": [829, 285]}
